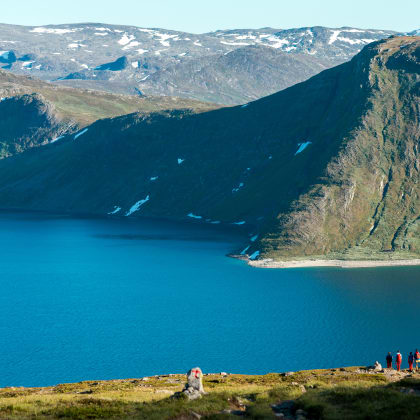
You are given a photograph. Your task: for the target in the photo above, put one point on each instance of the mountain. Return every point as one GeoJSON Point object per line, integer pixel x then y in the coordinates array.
{"type": "Point", "coordinates": [83, 106]}
{"type": "Point", "coordinates": [327, 167]}
{"type": "Point", "coordinates": [34, 112]}
{"type": "Point", "coordinates": [132, 60]}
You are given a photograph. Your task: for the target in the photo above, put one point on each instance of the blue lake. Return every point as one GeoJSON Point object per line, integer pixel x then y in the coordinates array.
{"type": "Point", "coordinates": [106, 299]}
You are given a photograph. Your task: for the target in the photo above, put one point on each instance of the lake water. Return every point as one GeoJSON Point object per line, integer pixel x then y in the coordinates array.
{"type": "Point", "coordinates": [106, 299]}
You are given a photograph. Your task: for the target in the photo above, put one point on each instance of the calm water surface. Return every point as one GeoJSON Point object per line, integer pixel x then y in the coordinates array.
{"type": "Point", "coordinates": [100, 299]}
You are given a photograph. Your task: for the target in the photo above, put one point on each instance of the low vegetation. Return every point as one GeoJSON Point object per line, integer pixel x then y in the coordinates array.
{"type": "Point", "coordinates": [347, 393]}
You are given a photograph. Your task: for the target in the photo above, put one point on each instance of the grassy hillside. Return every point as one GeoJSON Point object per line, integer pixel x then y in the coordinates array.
{"type": "Point", "coordinates": [86, 106]}
{"type": "Point", "coordinates": [328, 167]}
{"type": "Point", "coordinates": [333, 394]}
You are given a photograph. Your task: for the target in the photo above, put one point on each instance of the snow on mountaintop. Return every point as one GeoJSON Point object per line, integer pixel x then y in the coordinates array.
{"type": "Point", "coordinates": [78, 55]}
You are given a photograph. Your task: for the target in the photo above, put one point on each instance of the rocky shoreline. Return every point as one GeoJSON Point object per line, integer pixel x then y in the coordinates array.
{"type": "Point", "coordinates": [332, 263]}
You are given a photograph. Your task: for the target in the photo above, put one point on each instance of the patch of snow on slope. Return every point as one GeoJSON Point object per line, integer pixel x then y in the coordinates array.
{"type": "Point", "coordinates": [141, 51]}
{"type": "Point", "coordinates": [79, 134]}
{"type": "Point", "coordinates": [246, 249]}
{"type": "Point", "coordinates": [244, 106]}
{"type": "Point", "coordinates": [254, 238]}
{"type": "Point", "coordinates": [103, 29]}
{"type": "Point", "coordinates": [231, 43]}
{"type": "Point", "coordinates": [302, 147]}
{"type": "Point", "coordinates": [116, 210]}
{"type": "Point", "coordinates": [137, 205]}
{"type": "Point", "coordinates": [75, 45]}
{"type": "Point", "coordinates": [131, 45]}
{"type": "Point", "coordinates": [56, 139]}
{"type": "Point", "coordinates": [334, 36]}
{"type": "Point", "coordinates": [154, 178]}
{"type": "Point", "coordinates": [135, 64]}
{"type": "Point", "coordinates": [239, 223]}
{"type": "Point", "coordinates": [5, 54]}
{"type": "Point", "coordinates": [215, 222]}
{"type": "Point", "coordinates": [194, 216]}
{"type": "Point", "coordinates": [180, 161]}
{"type": "Point", "coordinates": [100, 33]}
{"type": "Point", "coordinates": [197, 43]}
{"type": "Point", "coordinates": [126, 39]}
{"type": "Point", "coordinates": [42, 30]}
{"type": "Point", "coordinates": [234, 190]}
{"type": "Point", "coordinates": [27, 64]}
{"type": "Point", "coordinates": [254, 255]}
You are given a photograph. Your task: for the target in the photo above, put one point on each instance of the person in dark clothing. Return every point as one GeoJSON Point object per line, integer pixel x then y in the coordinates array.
{"type": "Point", "coordinates": [389, 360]}
{"type": "Point", "coordinates": [410, 361]}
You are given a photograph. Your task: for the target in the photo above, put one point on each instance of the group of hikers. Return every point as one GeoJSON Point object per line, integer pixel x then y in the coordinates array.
{"type": "Point", "coordinates": [412, 358]}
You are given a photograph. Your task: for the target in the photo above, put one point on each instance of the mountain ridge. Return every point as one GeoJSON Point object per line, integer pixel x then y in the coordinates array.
{"type": "Point", "coordinates": [294, 169]}
{"type": "Point", "coordinates": [81, 55]}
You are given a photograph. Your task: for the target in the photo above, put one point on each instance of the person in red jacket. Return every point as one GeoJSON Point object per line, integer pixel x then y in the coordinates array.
{"type": "Point", "coordinates": [417, 358]}
{"type": "Point", "coordinates": [410, 361]}
{"type": "Point", "coordinates": [398, 360]}
{"type": "Point", "coordinates": [389, 360]}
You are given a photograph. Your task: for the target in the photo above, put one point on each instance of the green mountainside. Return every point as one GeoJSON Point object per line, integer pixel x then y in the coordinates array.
{"type": "Point", "coordinates": [34, 112]}
{"type": "Point", "coordinates": [327, 167]}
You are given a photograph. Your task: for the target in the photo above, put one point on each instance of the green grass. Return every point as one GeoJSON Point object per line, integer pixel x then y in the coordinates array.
{"type": "Point", "coordinates": [323, 394]}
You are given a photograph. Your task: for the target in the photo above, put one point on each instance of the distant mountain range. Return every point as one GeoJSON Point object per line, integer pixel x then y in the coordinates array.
{"type": "Point", "coordinates": [328, 167]}
{"type": "Point", "coordinates": [227, 67]}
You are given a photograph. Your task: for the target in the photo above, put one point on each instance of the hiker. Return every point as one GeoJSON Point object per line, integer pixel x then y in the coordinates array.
{"type": "Point", "coordinates": [410, 361]}
{"type": "Point", "coordinates": [398, 360]}
{"type": "Point", "coordinates": [389, 360]}
{"type": "Point", "coordinates": [417, 358]}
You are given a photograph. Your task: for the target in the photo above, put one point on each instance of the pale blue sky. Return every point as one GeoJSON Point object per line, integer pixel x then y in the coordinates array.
{"type": "Point", "coordinates": [207, 15]}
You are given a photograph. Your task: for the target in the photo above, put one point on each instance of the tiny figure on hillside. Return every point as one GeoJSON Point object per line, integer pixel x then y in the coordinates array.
{"type": "Point", "coordinates": [389, 360]}
{"type": "Point", "coordinates": [410, 361]}
{"type": "Point", "coordinates": [398, 360]}
{"type": "Point", "coordinates": [417, 358]}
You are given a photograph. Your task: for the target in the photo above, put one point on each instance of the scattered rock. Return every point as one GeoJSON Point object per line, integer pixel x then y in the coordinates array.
{"type": "Point", "coordinates": [195, 415]}
{"type": "Point", "coordinates": [88, 391]}
{"type": "Point", "coordinates": [223, 374]}
{"type": "Point", "coordinates": [287, 373]}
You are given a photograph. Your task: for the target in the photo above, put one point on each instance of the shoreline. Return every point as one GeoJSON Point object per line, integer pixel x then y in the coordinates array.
{"type": "Point", "coordinates": [333, 263]}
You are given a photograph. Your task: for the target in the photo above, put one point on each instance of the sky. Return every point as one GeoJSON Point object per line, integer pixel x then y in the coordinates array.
{"type": "Point", "coordinates": [199, 16]}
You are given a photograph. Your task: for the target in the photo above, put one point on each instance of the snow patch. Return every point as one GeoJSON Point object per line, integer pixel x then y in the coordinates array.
{"type": "Point", "coordinates": [180, 161]}
{"type": "Point", "coordinates": [135, 64]}
{"type": "Point", "coordinates": [334, 36]}
{"type": "Point", "coordinates": [302, 147]}
{"type": "Point", "coordinates": [234, 190]}
{"type": "Point", "coordinates": [116, 210]}
{"type": "Point", "coordinates": [42, 30]}
{"type": "Point", "coordinates": [254, 238]}
{"type": "Point", "coordinates": [254, 255]}
{"type": "Point", "coordinates": [131, 45]}
{"type": "Point", "coordinates": [215, 222]}
{"type": "Point", "coordinates": [75, 45]}
{"type": "Point", "coordinates": [230, 43]}
{"type": "Point", "coordinates": [246, 249]}
{"type": "Point", "coordinates": [137, 205]}
{"type": "Point", "coordinates": [154, 178]}
{"type": "Point", "coordinates": [79, 134]}
{"type": "Point", "coordinates": [126, 39]}
{"type": "Point", "coordinates": [244, 106]}
{"type": "Point", "coordinates": [141, 51]}
{"type": "Point", "coordinates": [194, 216]}
{"type": "Point", "coordinates": [56, 139]}
{"type": "Point", "coordinates": [239, 223]}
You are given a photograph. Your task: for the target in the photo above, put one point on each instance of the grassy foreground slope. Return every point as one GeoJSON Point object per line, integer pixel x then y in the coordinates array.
{"type": "Point", "coordinates": [333, 394]}
{"type": "Point", "coordinates": [85, 106]}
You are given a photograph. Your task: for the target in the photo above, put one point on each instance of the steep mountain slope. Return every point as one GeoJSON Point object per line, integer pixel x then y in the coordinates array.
{"type": "Point", "coordinates": [327, 166]}
{"type": "Point", "coordinates": [83, 107]}
{"type": "Point", "coordinates": [126, 59]}
{"type": "Point", "coordinates": [28, 121]}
